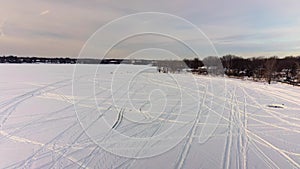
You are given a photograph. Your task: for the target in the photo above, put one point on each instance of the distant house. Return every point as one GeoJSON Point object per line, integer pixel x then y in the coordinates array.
{"type": "Point", "coordinates": [203, 70]}
{"type": "Point", "coordinates": [113, 62]}
{"type": "Point", "coordinates": [171, 66]}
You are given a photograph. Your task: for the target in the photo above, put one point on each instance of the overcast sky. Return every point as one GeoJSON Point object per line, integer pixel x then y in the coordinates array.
{"type": "Point", "coordinates": [61, 27]}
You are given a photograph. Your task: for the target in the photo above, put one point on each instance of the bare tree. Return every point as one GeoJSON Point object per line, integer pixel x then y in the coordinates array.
{"type": "Point", "coordinates": [228, 61]}
{"type": "Point", "coordinates": [270, 65]}
{"type": "Point", "coordinates": [214, 65]}
{"type": "Point", "coordinates": [298, 72]}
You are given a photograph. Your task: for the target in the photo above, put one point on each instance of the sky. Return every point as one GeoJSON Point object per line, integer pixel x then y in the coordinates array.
{"type": "Point", "coordinates": [52, 28]}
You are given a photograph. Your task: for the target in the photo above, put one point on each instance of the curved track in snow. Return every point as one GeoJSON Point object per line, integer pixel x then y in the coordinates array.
{"type": "Point", "coordinates": [232, 129]}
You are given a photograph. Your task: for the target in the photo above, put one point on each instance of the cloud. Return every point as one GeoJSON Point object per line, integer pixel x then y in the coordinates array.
{"type": "Point", "coordinates": [44, 12]}
{"type": "Point", "coordinates": [241, 26]}
{"type": "Point", "coordinates": [2, 28]}
{"type": "Point", "coordinates": [70, 25]}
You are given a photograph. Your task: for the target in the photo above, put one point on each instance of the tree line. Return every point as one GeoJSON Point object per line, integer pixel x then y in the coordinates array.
{"type": "Point", "coordinates": [66, 60]}
{"type": "Point", "coordinates": [259, 68]}
{"type": "Point", "coordinates": [285, 69]}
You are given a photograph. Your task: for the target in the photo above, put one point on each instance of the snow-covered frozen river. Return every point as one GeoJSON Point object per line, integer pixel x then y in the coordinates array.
{"type": "Point", "coordinates": [125, 116]}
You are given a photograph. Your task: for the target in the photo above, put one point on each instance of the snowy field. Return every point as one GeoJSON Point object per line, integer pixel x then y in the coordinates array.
{"type": "Point", "coordinates": [124, 116]}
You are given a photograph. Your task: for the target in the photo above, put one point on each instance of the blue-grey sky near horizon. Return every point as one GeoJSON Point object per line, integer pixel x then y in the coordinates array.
{"type": "Point", "coordinates": [61, 27]}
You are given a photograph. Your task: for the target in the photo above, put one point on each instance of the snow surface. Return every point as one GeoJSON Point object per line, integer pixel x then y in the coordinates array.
{"type": "Point", "coordinates": [125, 116]}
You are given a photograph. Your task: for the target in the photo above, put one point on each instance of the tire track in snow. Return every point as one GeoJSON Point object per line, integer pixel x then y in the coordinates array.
{"type": "Point", "coordinates": [187, 146]}
{"type": "Point", "coordinates": [245, 127]}
{"type": "Point", "coordinates": [241, 124]}
{"type": "Point", "coordinates": [14, 102]}
{"type": "Point", "coordinates": [266, 143]}
{"type": "Point", "coordinates": [228, 143]}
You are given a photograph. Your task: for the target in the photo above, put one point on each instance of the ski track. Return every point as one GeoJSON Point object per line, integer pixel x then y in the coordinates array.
{"type": "Point", "coordinates": [242, 122]}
